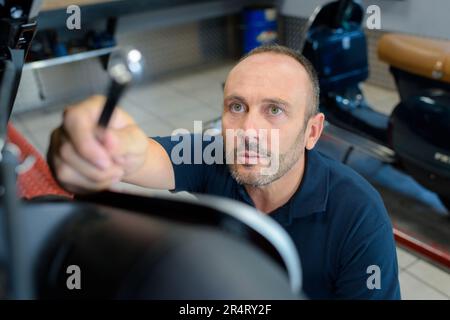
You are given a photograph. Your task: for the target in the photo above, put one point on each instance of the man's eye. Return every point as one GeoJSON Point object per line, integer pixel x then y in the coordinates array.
{"type": "Point", "coordinates": [274, 110]}
{"type": "Point", "coordinates": [237, 107]}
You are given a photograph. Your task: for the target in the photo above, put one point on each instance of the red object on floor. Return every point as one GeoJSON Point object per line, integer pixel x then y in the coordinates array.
{"type": "Point", "coordinates": [37, 181]}
{"type": "Point", "coordinates": [432, 251]}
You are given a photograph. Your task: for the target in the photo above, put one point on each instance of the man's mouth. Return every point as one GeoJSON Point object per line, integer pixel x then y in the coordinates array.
{"type": "Point", "coordinates": [249, 157]}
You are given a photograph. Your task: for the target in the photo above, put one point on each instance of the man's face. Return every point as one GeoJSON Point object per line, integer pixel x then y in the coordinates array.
{"type": "Point", "coordinates": [265, 96]}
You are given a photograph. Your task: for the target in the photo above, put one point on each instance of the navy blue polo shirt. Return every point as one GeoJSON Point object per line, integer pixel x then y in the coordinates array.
{"type": "Point", "coordinates": [336, 219]}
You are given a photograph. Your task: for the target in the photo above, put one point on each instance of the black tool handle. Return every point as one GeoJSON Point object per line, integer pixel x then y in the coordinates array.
{"type": "Point", "coordinates": [114, 94]}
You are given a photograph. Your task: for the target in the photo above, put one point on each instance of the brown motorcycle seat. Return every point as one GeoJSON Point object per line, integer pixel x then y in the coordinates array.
{"type": "Point", "coordinates": [425, 57]}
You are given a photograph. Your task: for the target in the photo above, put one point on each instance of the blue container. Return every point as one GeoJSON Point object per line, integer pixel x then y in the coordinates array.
{"type": "Point", "coordinates": [260, 27]}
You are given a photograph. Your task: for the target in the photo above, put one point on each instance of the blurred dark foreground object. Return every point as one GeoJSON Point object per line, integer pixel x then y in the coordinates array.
{"type": "Point", "coordinates": [158, 248]}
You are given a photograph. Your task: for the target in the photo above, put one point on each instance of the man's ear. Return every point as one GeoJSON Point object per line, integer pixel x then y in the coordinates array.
{"type": "Point", "coordinates": [314, 129]}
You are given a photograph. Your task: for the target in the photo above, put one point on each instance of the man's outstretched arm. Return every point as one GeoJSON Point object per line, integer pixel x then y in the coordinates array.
{"type": "Point", "coordinates": [84, 158]}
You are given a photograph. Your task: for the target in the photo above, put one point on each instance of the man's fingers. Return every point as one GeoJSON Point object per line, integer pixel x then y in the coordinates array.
{"type": "Point", "coordinates": [92, 108]}
{"type": "Point", "coordinates": [80, 125]}
{"type": "Point", "coordinates": [81, 133]}
{"type": "Point", "coordinates": [127, 141]}
{"type": "Point", "coordinates": [68, 154]}
{"type": "Point", "coordinates": [73, 181]}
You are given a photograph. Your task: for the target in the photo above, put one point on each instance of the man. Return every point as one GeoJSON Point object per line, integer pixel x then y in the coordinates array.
{"type": "Point", "coordinates": [336, 219]}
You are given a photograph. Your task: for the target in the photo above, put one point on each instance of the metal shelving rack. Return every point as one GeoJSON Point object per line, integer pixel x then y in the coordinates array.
{"type": "Point", "coordinates": [67, 59]}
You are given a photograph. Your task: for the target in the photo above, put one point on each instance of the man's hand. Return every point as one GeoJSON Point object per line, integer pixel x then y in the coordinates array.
{"type": "Point", "coordinates": [84, 157]}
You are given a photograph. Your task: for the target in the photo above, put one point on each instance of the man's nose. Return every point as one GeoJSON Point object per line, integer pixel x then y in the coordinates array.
{"type": "Point", "coordinates": [251, 121]}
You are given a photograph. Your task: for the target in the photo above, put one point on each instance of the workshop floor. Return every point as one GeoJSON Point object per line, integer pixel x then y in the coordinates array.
{"type": "Point", "coordinates": [174, 102]}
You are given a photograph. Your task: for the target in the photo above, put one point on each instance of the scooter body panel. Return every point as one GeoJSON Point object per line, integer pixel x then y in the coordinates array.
{"type": "Point", "coordinates": [340, 58]}
{"type": "Point", "coordinates": [421, 138]}
{"type": "Point", "coordinates": [348, 109]}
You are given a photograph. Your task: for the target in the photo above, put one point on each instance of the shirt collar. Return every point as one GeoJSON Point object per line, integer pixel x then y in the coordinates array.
{"type": "Point", "coordinates": [312, 194]}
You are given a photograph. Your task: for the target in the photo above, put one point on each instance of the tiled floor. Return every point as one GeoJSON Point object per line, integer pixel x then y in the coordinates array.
{"type": "Point", "coordinates": [380, 99]}
{"type": "Point", "coordinates": [420, 280]}
{"type": "Point", "coordinates": [175, 102]}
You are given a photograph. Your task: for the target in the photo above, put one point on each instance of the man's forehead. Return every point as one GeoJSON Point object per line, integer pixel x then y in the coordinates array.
{"type": "Point", "coordinates": [270, 60]}
{"type": "Point", "coordinates": [269, 71]}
